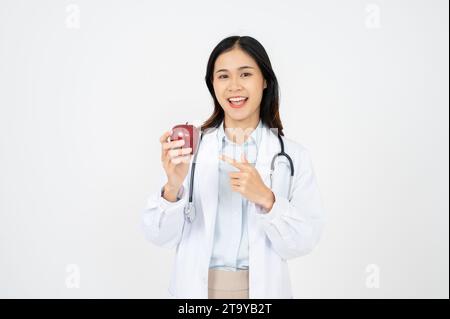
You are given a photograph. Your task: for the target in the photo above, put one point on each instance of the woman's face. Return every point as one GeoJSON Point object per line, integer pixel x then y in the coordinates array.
{"type": "Point", "coordinates": [236, 76]}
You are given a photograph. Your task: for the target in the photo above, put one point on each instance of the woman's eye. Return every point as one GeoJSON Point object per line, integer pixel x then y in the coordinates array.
{"type": "Point", "coordinates": [223, 76]}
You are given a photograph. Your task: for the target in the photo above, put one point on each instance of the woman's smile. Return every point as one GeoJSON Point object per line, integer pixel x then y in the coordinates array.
{"type": "Point", "coordinates": [237, 102]}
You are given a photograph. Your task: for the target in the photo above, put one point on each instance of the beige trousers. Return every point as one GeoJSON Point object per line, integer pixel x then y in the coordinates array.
{"type": "Point", "coordinates": [224, 284]}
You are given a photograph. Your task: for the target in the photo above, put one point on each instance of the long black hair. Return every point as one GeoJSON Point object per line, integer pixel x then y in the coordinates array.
{"type": "Point", "coordinates": [269, 110]}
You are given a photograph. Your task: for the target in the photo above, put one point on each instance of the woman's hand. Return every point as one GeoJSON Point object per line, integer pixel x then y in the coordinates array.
{"type": "Point", "coordinates": [248, 182]}
{"type": "Point", "coordinates": [175, 160]}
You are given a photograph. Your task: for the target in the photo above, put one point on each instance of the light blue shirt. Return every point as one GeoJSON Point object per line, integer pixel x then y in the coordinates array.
{"type": "Point", "coordinates": [230, 248]}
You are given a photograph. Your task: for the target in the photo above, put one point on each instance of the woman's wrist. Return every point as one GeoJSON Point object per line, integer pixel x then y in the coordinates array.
{"type": "Point", "coordinates": [268, 200]}
{"type": "Point", "coordinates": [170, 192]}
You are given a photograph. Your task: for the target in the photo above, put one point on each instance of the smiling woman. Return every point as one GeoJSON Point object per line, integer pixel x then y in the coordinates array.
{"type": "Point", "coordinates": [234, 234]}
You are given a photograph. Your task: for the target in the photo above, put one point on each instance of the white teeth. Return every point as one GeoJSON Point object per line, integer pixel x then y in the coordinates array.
{"type": "Point", "coordinates": [236, 99]}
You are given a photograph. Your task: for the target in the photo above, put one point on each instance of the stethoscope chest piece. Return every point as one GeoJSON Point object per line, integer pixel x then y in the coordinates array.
{"type": "Point", "coordinates": [189, 212]}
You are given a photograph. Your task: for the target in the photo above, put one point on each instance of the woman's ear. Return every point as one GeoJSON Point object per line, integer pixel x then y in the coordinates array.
{"type": "Point", "coordinates": [265, 84]}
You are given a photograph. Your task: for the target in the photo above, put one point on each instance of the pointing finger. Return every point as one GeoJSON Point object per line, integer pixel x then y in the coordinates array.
{"type": "Point", "coordinates": [233, 162]}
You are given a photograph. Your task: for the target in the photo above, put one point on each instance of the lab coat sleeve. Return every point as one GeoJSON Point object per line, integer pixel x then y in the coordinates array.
{"type": "Point", "coordinates": [163, 221]}
{"type": "Point", "coordinates": [294, 227]}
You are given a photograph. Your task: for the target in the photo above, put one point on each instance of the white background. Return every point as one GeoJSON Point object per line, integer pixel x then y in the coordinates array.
{"type": "Point", "coordinates": [87, 88]}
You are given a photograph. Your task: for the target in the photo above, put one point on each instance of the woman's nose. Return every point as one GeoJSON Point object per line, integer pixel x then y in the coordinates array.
{"type": "Point", "coordinates": [234, 84]}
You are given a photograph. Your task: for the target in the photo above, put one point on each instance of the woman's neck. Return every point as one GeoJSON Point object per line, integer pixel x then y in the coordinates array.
{"type": "Point", "coordinates": [239, 131]}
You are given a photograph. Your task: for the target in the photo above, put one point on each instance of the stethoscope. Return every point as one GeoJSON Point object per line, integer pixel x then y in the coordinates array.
{"type": "Point", "coordinates": [189, 209]}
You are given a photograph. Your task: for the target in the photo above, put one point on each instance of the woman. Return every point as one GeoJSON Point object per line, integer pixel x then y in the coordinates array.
{"type": "Point", "coordinates": [245, 227]}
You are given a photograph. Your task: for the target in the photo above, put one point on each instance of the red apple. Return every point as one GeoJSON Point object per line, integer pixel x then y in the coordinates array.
{"type": "Point", "coordinates": [189, 133]}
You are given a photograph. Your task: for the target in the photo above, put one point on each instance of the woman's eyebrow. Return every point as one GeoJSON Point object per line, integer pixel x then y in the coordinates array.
{"type": "Point", "coordinates": [240, 68]}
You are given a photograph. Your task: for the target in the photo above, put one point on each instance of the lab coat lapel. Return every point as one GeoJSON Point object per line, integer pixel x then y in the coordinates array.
{"type": "Point", "coordinates": [269, 146]}
{"type": "Point", "coordinates": [207, 177]}
{"type": "Point", "coordinates": [265, 155]}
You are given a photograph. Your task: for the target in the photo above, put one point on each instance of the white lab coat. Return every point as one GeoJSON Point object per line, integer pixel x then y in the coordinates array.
{"type": "Point", "coordinates": [291, 229]}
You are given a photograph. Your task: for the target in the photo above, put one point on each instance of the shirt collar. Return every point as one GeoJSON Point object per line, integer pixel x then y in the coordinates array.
{"type": "Point", "coordinates": [254, 137]}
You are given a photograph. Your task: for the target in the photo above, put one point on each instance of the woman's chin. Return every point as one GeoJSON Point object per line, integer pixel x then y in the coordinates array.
{"type": "Point", "coordinates": [238, 117]}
